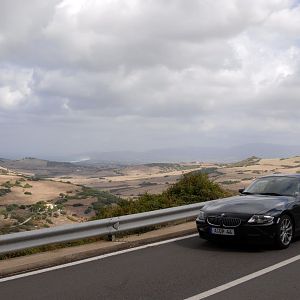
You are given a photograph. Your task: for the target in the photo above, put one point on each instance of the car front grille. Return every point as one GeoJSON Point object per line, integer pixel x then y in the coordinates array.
{"type": "Point", "coordinates": [223, 221]}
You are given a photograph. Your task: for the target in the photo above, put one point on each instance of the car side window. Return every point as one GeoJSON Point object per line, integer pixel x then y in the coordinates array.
{"type": "Point", "coordinates": [291, 188]}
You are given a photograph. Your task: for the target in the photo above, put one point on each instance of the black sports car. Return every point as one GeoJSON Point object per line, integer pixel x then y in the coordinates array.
{"type": "Point", "coordinates": [268, 210]}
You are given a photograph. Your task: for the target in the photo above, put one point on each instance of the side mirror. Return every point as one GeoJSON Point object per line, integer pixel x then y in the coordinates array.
{"type": "Point", "coordinates": [241, 191]}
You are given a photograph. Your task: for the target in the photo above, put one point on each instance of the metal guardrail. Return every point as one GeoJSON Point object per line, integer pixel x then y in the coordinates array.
{"type": "Point", "coordinates": [67, 233]}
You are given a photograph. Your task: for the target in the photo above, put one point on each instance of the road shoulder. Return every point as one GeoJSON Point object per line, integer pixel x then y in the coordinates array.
{"type": "Point", "coordinates": [65, 255]}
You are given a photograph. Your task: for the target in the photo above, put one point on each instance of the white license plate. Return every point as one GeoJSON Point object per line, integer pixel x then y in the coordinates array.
{"type": "Point", "coordinates": [222, 231]}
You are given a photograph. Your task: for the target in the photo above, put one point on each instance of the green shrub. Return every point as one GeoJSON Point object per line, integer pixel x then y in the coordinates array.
{"type": "Point", "coordinates": [208, 171]}
{"type": "Point", "coordinates": [38, 207]}
{"type": "Point", "coordinates": [61, 201]}
{"type": "Point", "coordinates": [88, 210]}
{"type": "Point", "coordinates": [191, 188]}
{"type": "Point", "coordinates": [18, 183]}
{"type": "Point", "coordinates": [7, 184]}
{"type": "Point", "coordinates": [102, 198]}
{"type": "Point", "coordinates": [11, 207]}
{"type": "Point", "coordinates": [3, 192]}
{"type": "Point", "coordinates": [27, 186]}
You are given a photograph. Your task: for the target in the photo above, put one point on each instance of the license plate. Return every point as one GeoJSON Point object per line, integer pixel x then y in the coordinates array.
{"type": "Point", "coordinates": [222, 231]}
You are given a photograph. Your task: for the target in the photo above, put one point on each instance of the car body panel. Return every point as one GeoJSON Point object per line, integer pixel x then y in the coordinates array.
{"type": "Point", "coordinates": [248, 204]}
{"type": "Point", "coordinates": [244, 207]}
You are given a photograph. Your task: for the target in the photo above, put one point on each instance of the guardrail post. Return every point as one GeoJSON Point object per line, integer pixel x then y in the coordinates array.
{"type": "Point", "coordinates": [111, 237]}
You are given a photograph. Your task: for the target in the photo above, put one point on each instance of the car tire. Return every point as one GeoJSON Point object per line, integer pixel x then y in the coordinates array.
{"type": "Point", "coordinates": [285, 232]}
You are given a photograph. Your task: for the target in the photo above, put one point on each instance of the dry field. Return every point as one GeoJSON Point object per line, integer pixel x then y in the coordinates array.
{"type": "Point", "coordinates": [71, 202]}
{"type": "Point", "coordinates": [20, 197]}
{"type": "Point", "coordinates": [240, 175]}
{"type": "Point", "coordinates": [131, 181]}
{"type": "Point", "coordinates": [39, 190]}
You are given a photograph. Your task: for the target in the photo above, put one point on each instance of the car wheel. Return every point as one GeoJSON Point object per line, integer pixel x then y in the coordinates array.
{"type": "Point", "coordinates": [285, 232]}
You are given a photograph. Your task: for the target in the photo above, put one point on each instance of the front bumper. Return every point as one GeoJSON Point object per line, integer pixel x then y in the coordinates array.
{"type": "Point", "coordinates": [244, 232]}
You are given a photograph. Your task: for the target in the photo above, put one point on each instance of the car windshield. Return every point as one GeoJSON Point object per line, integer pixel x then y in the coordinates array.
{"type": "Point", "coordinates": [281, 186]}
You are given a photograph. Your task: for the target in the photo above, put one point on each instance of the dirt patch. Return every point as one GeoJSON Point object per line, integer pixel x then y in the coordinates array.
{"type": "Point", "coordinates": [36, 191]}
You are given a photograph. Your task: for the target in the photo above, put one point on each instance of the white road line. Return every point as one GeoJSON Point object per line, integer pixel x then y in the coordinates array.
{"type": "Point", "coordinates": [96, 258]}
{"type": "Point", "coordinates": [236, 282]}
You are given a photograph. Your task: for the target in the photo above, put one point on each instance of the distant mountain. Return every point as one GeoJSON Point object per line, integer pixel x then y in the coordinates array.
{"type": "Point", "coordinates": [114, 159]}
{"type": "Point", "coordinates": [215, 154]}
{"type": "Point", "coordinates": [41, 167]}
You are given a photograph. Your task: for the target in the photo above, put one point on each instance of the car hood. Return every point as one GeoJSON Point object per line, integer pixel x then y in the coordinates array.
{"type": "Point", "coordinates": [248, 204]}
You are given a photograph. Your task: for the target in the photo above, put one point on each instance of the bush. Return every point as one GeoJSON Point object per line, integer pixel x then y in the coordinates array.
{"type": "Point", "coordinates": [11, 207]}
{"type": "Point", "coordinates": [191, 188]}
{"type": "Point", "coordinates": [61, 201]}
{"type": "Point", "coordinates": [88, 210]}
{"type": "Point", "coordinates": [27, 186]}
{"type": "Point", "coordinates": [3, 192]}
{"type": "Point", "coordinates": [7, 184]}
{"type": "Point", "coordinates": [38, 207]}
{"type": "Point", "coordinates": [18, 183]}
{"type": "Point", "coordinates": [102, 198]}
{"type": "Point", "coordinates": [196, 187]}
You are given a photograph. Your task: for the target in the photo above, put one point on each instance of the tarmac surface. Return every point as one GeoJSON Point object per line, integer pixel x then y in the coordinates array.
{"type": "Point", "coordinates": [176, 269]}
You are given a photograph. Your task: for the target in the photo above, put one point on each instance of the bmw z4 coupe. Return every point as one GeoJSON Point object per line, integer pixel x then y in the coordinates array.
{"type": "Point", "coordinates": [268, 210]}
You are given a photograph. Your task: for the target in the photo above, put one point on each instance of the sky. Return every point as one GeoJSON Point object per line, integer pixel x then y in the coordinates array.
{"type": "Point", "coordinates": [81, 76]}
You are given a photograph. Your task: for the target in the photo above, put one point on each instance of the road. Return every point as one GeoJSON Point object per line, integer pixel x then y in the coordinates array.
{"type": "Point", "coordinates": [174, 270]}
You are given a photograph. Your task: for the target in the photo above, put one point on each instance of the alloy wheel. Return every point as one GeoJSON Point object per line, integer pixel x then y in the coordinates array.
{"type": "Point", "coordinates": [286, 231]}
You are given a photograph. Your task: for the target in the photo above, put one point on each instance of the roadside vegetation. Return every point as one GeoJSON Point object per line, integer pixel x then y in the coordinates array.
{"type": "Point", "coordinates": [170, 167]}
{"type": "Point", "coordinates": [251, 161]}
{"type": "Point", "coordinates": [191, 188]}
{"type": "Point", "coordinates": [75, 206]}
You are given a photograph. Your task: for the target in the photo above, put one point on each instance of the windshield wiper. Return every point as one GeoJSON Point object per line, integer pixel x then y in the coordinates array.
{"type": "Point", "coordinates": [271, 194]}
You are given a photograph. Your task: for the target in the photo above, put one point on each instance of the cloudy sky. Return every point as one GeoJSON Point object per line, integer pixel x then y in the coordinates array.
{"type": "Point", "coordinates": [82, 76]}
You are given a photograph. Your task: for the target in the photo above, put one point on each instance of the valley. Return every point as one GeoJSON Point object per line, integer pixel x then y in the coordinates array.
{"type": "Point", "coordinates": [37, 193]}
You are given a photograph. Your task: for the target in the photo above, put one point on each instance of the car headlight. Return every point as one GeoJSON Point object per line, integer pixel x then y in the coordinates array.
{"type": "Point", "coordinates": [261, 219]}
{"type": "Point", "coordinates": [201, 215]}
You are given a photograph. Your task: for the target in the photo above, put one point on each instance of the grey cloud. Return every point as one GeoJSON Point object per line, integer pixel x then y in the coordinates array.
{"type": "Point", "coordinates": [148, 73]}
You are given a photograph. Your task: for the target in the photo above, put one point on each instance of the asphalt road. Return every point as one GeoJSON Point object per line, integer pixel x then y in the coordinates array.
{"type": "Point", "coordinates": [175, 270]}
